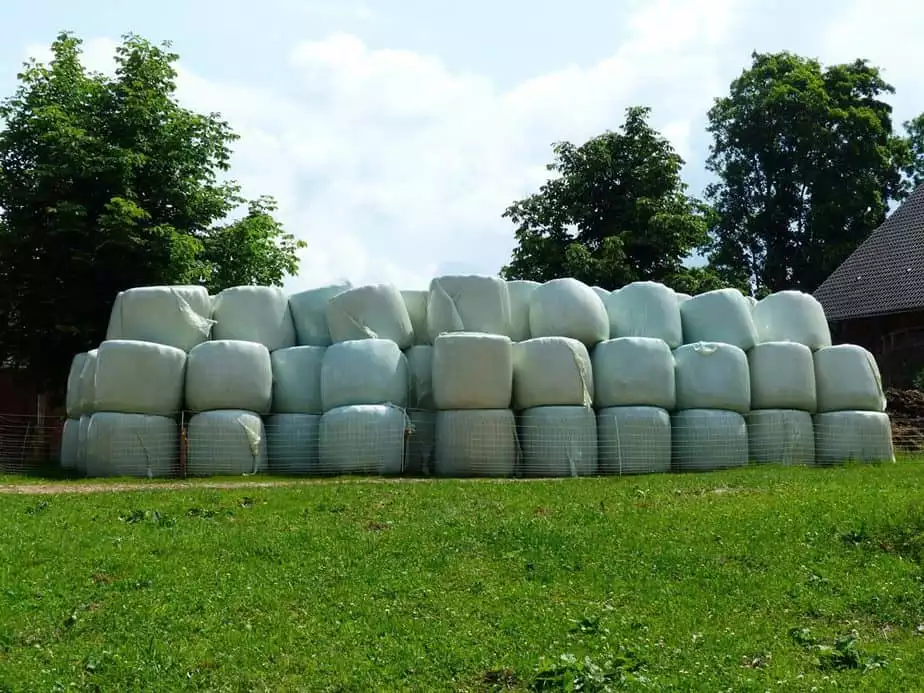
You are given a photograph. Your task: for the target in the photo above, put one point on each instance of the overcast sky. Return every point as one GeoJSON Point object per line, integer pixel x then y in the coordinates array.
{"type": "Point", "coordinates": [394, 133]}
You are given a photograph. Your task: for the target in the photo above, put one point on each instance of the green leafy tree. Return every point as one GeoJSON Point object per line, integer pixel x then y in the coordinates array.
{"type": "Point", "coordinates": [617, 211]}
{"type": "Point", "coordinates": [807, 164]}
{"type": "Point", "coordinates": [914, 169]}
{"type": "Point", "coordinates": [108, 183]}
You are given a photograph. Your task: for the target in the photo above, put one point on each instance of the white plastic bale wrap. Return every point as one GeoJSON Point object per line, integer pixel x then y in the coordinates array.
{"type": "Point", "coordinates": [364, 371]}
{"type": "Point", "coordinates": [416, 304]}
{"type": "Point", "coordinates": [782, 376]}
{"type": "Point", "coordinates": [468, 304]}
{"type": "Point", "coordinates": [853, 436]}
{"type": "Point", "coordinates": [682, 298]}
{"type": "Point", "coordinates": [420, 369]}
{"type": "Point", "coordinates": [710, 375]}
{"type": "Point", "coordinates": [226, 442]}
{"type": "Point", "coordinates": [132, 445]}
{"type": "Point", "coordinates": [472, 371]}
{"type": "Point", "coordinates": [558, 441]}
{"type": "Point", "coordinates": [297, 380]}
{"type": "Point", "coordinates": [70, 444]}
{"type": "Point", "coordinates": [645, 309]}
{"type": "Point", "coordinates": [370, 312]}
{"type": "Point", "coordinates": [476, 442]}
{"type": "Point", "coordinates": [229, 374]}
{"type": "Point", "coordinates": [751, 301]}
{"type": "Point", "coordinates": [292, 443]}
{"type": "Point", "coordinates": [568, 308]}
{"type": "Point", "coordinates": [723, 315]}
{"type": "Point", "coordinates": [704, 439]}
{"type": "Point", "coordinates": [847, 379]}
{"type": "Point", "coordinates": [82, 430]}
{"type": "Point", "coordinates": [258, 314]}
{"type": "Point", "coordinates": [309, 313]}
{"type": "Point", "coordinates": [363, 439]}
{"type": "Point", "coordinates": [177, 316]}
{"type": "Point", "coordinates": [634, 440]}
{"type": "Point", "coordinates": [139, 378]}
{"type": "Point", "coordinates": [783, 436]}
{"type": "Point", "coordinates": [520, 291]}
{"type": "Point", "coordinates": [86, 398]}
{"type": "Point", "coordinates": [633, 371]}
{"type": "Point", "coordinates": [552, 371]}
{"type": "Point", "coordinates": [792, 316]}
{"type": "Point", "coordinates": [72, 398]}
{"type": "Point", "coordinates": [602, 293]}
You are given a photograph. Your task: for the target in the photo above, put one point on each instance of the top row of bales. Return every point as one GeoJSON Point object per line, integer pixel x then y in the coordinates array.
{"type": "Point", "coordinates": [184, 316]}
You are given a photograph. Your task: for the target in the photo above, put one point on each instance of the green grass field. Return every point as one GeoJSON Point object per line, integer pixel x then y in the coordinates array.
{"type": "Point", "coordinates": [769, 578]}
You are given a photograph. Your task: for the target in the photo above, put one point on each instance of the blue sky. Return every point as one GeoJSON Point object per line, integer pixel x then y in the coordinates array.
{"type": "Point", "coordinates": [395, 132]}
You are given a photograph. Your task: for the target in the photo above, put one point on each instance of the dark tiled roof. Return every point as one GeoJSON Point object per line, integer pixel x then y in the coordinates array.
{"type": "Point", "coordinates": [886, 273]}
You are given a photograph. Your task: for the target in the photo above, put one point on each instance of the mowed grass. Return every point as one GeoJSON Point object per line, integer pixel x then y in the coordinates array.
{"type": "Point", "coordinates": [767, 578]}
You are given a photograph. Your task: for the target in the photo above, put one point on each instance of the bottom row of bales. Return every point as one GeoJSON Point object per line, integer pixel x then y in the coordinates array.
{"type": "Point", "coordinates": [547, 441]}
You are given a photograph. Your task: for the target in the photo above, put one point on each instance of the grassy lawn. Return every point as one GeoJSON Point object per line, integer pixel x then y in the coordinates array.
{"type": "Point", "coordinates": [758, 579]}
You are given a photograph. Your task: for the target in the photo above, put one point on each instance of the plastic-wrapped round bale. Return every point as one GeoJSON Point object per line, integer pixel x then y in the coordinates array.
{"type": "Point", "coordinates": [784, 436]}
{"type": "Point", "coordinates": [568, 308]}
{"type": "Point", "coordinates": [601, 292]}
{"type": "Point", "coordinates": [792, 316]}
{"type": "Point", "coordinates": [472, 371]}
{"type": "Point", "coordinates": [704, 439]}
{"type": "Point", "coordinates": [370, 312]}
{"type": "Point", "coordinates": [468, 304]}
{"type": "Point", "coordinates": [72, 398]}
{"type": "Point", "coordinates": [552, 371]}
{"type": "Point", "coordinates": [421, 441]}
{"type": "Point", "coordinates": [82, 431]}
{"type": "Point", "coordinates": [782, 376]}
{"type": "Point", "coordinates": [558, 441]}
{"type": "Point", "coordinates": [645, 309]}
{"type": "Point", "coordinates": [751, 301]}
{"type": "Point", "coordinates": [177, 316]}
{"type": "Point", "coordinates": [86, 398]}
{"type": "Point", "coordinates": [420, 369]}
{"type": "Point", "coordinates": [416, 304]}
{"type": "Point", "coordinates": [710, 375]}
{"type": "Point", "coordinates": [226, 442]}
{"type": "Point", "coordinates": [70, 444]}
{"type": "Point", "coordinates": [258, 314]}
{"type": "Point", "coordinates": [475, 442]}
{"type": "Point", "coordinates": [363, 439]}
{"type": "Point", "coordinates": [309, 313]}
{"type": "Point", "coordinates": [132, 445]}
{"type": "Point", "coordinates": [297, 380]}
{"type": "Point", "coordinates": [292, 443]}
{"type": "Point", "coordinates": [229, 374]}
{"type": "Point", "coordinates": [364, 371]}
{"type": "Point", "coordinates": [139, 378]}
{"type": "Point", "coordinates": [634, 440]}
{"type": "Point", "coordinates": [847, 379]}
{"type": "Point", "coordinates": [633, 371]}
{"type": "Point", "coordinates": [682, 298]}
{"type": "Point", "coordinates": [723, 315]}
{"type": "Point", "coordinates": [853, 436]}
{"type": "Point", "coordinates": [520, 292]}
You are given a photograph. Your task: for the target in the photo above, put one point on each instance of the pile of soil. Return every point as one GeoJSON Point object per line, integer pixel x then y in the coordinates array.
{"type": "Point", "coordinates": [906, 410]}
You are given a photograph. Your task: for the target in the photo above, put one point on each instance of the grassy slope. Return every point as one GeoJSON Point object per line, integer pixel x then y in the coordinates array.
{"type": "Point", "coordinates": [696, 582]}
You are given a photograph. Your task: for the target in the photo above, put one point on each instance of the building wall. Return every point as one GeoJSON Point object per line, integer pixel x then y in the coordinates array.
{"type": "Point", "coordinates": [897, 342]}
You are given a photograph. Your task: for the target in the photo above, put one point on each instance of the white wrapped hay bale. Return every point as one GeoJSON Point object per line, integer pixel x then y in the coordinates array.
{"type": "Point", "coordinates": [421, 441]}
{"type": "Point", "coordinates": [792, 316]}
{"type": "Point", "coordinates": [309, 313]}
{"type": "Point", "coordinates": [468, 304]}
{"type": "Point", "coordinates": [853, 436]}
{"type": "Point", "coordinates": [70, 444]}
{"type": "Point", "coordinates": [177, 316]}
{"type": "Point", "coordinates": [229, 374]}
{"type": "Point", "coordinates": [552, 371]}
{"type": "Point", "coordinates": [297, 380]}
{"type": "Point", "coordinates": [364, 371]}
{"type": "Point", "coordinates": [475, 442]}
{"type": "Point", "coordinates": [723, 315]}
{"type": "Point", "coordinates": [132, 445]}
{"type": "Point", "coordinates": [139, 378]}
{"type": "Point", "coordinates": [520, 291]}
{"type": "Point", "coordinates": [847, 379]}
{"type": "Point", "coordinates": [752, 302]}
{"type": "Point", "coordinates": [568, 308]}
{"type": "Point", "coordinates": [782, 376]}
{"type": "Point", "coordinates": [72, 397]}
{"type": "Point", "coordinates": [712, 375]}
{"type": "Point", "coordinates": [416, 304]}
{"type": "Point", "coordinates": [363, 439]}
{"type": "Point", "coordinates": [682, 298]}
{"type": "Point", "coordinates": [558, 441]}
{"type": "Point", "coordinates": [602, 293]}
{"type": "Point", "coordinates": [420, 369]}
{"type": "Point", "coordinates": [645, 309]}
{"type": "Point", "coordinates": [633, 371]}
{"type": "Point", "coordinates": [783, 436]}
{"type": "Point", "coordinates": [705, 439]}
{"type": "Point", "coordinates": [292, 443]}
{"type": "Point", "coordinates": [258, 314]}
{"type": "Point", "coordinates": [226, 442]}
{"type": "Point", "coordinates": [376, 311]}
{"type": "Point", "coordinates": [82, 431]}
{"type": "Point", "coordinates": [634, 440]}
{"type": "Point", "coordinates": [86, 397]}
{"type": "Point", "coordinates": [472, 371]}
